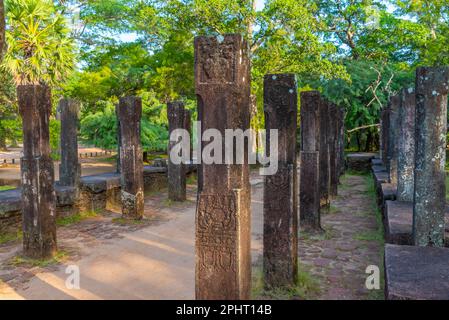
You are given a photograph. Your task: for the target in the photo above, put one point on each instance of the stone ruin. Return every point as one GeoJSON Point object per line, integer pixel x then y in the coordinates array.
{"type": "Point", "coordinates": [410, 182]}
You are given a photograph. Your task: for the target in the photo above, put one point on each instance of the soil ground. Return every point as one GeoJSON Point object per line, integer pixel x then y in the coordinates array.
{"type": "Point", "coordinates": [154, 259]}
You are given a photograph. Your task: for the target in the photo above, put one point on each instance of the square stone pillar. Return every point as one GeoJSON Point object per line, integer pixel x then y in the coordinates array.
{"type": "Point", "coordinates": [37, 171]}
{"type": "Point", "coordinates": [119, 139]}
{"type": "Point", "coordinates": [333, 149]}
{"type": "Point", "coordinates": [341, 140]}
{"type": "Point", "coordinates": [188, 127]}
{"type": "Point", "coordinates": [223, 233]}
{"type": "Point", "coordinates": [324, 157]}
{"type": "Point", "coordinates": [131, 157]}
{"type": "Point", "coordinates": [406, 145]}
{"type": "Point", "coordinates": [385, 124]}
{"type": "Point", "coordinates": [392, 155]}
{"type": "Point", "coordinates": [380, 131]}
{"type": "Point", "coordinates": [176, 172]}
{"type": "Point", "coordinates": [70, 168]}
{"type": "Point", "coordinates": [280, 233]}
{"type": "Point", "coordinates": [430, 156]}
{"type": "Point", "coordinates": [309, 181]}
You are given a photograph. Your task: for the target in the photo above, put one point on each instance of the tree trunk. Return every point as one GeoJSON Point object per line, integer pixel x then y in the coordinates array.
{"type": "Point", "coordinates": [2, 29]}
{"type": "Point", "coordinates": [368, 141]}
{"type": "Point", "coordinates": [359, 142]}
{"type": "Point", "coordinates": [2, 143]}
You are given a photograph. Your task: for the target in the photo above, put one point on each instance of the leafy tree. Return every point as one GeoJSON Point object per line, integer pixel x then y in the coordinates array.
{"type": "Point", "coordinates": [39, 49]}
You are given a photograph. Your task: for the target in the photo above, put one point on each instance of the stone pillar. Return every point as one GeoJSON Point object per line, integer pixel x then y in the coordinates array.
{"type": "Point", "coordinates": [342, 140]}
{"type": "Point", "coordinates": [131, 162]}
{"type": "Point", "coordinates": [392, 156]}
{"type": "Point", "coordinates": [70, 168]}
{"type": "Point", "coordinates": [430, 156]}
{"type": "Point", "coordinates": [380, 132]}
{"type": "Point", "coordinates": [309, 181]}
{"type": "Point", "coordinates": [342, 135]}
{"type": "Point", "coordinates": [333, 152]}
{"type": "Point", "coordinates": [324, 154]}
{"type": "Point", "coordinates": [38, 195]}
{"type": "Point", "coordinates": [188, 127]}
{"type": "Point", "coordinates": [176, 172]}
{"type": "Point", "coordinates": [385, 118]}
{"type": "Point", "coordinates": [406, 146]}
{"type": "Point", "coordinates": [223, 233]}
{"type": "Point", "coordinates": [119, 139]}
{"type": "Point", "coordinates": [280, 233]}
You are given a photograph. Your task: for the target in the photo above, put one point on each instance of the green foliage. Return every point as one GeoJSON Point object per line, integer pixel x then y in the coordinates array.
{"type": "Point", "coordinates": [4, 188]}
{"type": "Point", "coordinates": [100, 128]}
{"type": "Point", "coordinates": [55, 132]}
{"type": "Point", "coordinates": [39, 49]}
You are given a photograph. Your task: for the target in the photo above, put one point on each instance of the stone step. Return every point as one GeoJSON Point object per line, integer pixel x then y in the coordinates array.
{"type": "Point", "coordinates": [399, 220]}
{"type": "Point", "coordinates": [416, 273]}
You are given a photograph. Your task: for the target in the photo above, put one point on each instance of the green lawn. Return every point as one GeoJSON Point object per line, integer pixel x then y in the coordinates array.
{"type": "Point", "coordinates": [4, 188]}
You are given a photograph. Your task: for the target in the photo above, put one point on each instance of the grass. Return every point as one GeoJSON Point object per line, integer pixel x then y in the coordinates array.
{"type": "Point", "coordinates": [10, 236]}
{"type": "Point", "coordinates": [333, 209]}
{"type": "Point", "coordinates": [375, 235]}
{"type": "Point", "coordinates": [123, 221]}
{"type": "Point", "coordinates": [307, 287]}
{"type": "Point", "coordinates": [4, 188]}
{"type": "Point", "coordinates": [75, 218]}
{"type": "Point", "coordinates": [192, 179]}
{"type": "Point", "coordinates": [18, 261]}
{"type": "Point", "coordinates": [326, 234]}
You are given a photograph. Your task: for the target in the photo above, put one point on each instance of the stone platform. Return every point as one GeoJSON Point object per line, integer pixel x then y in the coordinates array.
{"type": "Point", "coordinates": [378, 168]}
{"type": "Point", "coordinates": [360, 161]}
{"type": "Point", "coordinates": [387, 191]}
{"type": "Point", "coordinates": [97, 192]}
{"type": "Point", "coordinates": [11, 203]}
{"type": "Point", "coordinates": [416, 273]}
{"type": "Point", "coordinates": [399, 220]}
{"type": "Point", "coordinates": [376, 162]}
{"type": "Point", "coordinates": [379, 178]}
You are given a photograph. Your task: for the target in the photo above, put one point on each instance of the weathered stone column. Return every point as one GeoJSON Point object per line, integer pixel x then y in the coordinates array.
{"type": "Point", "coordinates": [38, 195]}
{"type": "Point", "coordinates": [70, 168]}
{"type": "Point", "coordinates": [385, 123]}
{"type": "Point", "coordinates": [131, 162]}
{"type": "Point", "coordinates": [223, 260]}
{"type": "Point", "coordinates": [342, 140]}
{"type": "Point", "coordinates": [119, 139]}
{"type": "Point", "coordinates": [176, 172]}
{"type": "Point", "coordinates": [324, 154]}
{"type": "Point", "coordinates": [380, 130]}
{"type": "Point", "coordinates": [392, 156]}
{"type": "Point", "coordinates": [280, 233]}
{"type": "Point", "coordinates": [430, 156]}
{"type": "Point", "coordinates": [406, 146]}
{"type": "Point", "coordinates": [309, 181]}
{"type": "Point", "coordinates": [188, 127]}
{"type": "Point", "coordinates": [333, 151]}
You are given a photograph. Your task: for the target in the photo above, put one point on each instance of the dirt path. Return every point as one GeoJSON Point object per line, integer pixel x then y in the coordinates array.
{"type": "Point", "coordinates": [155, 259]}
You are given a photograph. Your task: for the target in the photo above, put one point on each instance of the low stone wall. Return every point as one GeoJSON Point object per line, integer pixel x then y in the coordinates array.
{"type": "Point", "coordinates": [96, 193]}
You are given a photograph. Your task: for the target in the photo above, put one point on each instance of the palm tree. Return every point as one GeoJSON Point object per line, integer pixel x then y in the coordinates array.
{"type": "Point", "coordinates": [39, 48]}
{"type": "Point", "coordinates": [2, 29]}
